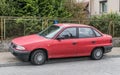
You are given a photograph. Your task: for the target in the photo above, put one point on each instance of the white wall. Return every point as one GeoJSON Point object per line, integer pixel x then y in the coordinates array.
{"type": "Point", "coordinates": [94, 7]}
{"type": "Point", "coordinates": [82, 0]}
{"type": "Point", "coordinates": [112, 6]}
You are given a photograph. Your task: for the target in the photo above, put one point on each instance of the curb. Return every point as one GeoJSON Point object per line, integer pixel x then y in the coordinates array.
{"type": "Point", "coordinates": [21, 63]}
{"type": "Point", "coordinates": [15, 64]}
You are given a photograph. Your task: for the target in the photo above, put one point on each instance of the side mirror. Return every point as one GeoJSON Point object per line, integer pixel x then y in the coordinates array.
{"type": "Point", "coordinates": [58, 38]}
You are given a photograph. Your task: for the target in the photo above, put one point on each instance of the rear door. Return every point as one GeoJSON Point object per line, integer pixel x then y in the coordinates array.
{"type": "Point", "coordinates": [86, 42]}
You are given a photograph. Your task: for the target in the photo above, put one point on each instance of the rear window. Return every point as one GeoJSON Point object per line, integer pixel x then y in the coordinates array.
{"type": "Point", "coordinates": [97, 33]}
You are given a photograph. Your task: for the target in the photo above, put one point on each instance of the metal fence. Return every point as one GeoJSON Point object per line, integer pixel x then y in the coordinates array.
{"type": "Point", "coordinates": [16, 26]}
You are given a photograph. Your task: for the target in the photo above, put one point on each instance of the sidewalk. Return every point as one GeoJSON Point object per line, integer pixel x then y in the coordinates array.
{"type": "Point", "coordinates": [7, 58]}
{"type": "Point", "coordinates": [115, 52]}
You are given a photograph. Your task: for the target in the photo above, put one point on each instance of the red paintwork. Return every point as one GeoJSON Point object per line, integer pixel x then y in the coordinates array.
{"type": "Point", "coordinates": [63, 48]}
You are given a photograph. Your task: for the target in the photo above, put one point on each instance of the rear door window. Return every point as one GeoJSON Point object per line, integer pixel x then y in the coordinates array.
{"type": "Point", "coordinates": [86, 32]}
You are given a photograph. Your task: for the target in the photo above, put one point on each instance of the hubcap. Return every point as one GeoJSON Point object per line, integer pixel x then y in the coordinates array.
{"type": "Point", "coordinates": [39, 57]}
{"type": "Point", "coordinates": [98, 53]}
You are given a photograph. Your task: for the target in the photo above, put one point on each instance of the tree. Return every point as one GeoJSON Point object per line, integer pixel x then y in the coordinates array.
{"type": "Point", "coordinates": [53, 8]}
{"type": "Point", "coordinates": [78, 10]}
{"type": "Point", "coordinates": [4, 8]}
{"type": "Point", "coordinates": [23, 7]}
{"type": "Point", "coordinates": [42, 8]}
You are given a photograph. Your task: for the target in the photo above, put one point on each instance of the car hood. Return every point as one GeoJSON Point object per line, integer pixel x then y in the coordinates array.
{"type": "Point", "coordinates": [28, 39]}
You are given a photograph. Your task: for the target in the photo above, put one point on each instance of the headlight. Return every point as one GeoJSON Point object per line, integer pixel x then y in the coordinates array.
{"type": "Point", "coordinates": [19, 47]}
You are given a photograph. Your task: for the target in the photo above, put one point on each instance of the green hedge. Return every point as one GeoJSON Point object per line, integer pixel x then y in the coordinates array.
{"type": "Point", "coordinates": [25, 26]}
{"type": "Point", "coordinates": [107, 23]}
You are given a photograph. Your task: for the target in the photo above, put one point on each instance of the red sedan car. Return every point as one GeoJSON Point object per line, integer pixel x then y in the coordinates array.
{"type": "Point", "coordinates": [60, 41]}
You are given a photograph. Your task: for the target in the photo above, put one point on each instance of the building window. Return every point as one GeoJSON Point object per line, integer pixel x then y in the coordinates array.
{"type": "Point", "coordinates": [103, 6]}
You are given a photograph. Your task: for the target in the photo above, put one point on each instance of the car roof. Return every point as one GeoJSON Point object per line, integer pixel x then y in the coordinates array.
{"type": "Point", "coordinates": [71, 25]}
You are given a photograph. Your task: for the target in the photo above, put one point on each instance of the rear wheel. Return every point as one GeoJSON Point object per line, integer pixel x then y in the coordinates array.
{"type": "Point", "coordinates": [38, 57]}
{"type": "Point", "coordinates": [97, 54]}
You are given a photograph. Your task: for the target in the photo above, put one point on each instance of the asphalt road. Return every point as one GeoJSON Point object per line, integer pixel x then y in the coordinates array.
{"type": "Point", "coordinates": [71, 66]}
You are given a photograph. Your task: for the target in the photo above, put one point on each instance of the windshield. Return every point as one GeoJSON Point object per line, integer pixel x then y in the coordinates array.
{"type": "Point", "coordinates": [50, 32]}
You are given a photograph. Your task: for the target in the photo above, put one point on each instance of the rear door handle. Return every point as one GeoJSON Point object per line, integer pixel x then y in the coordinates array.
{"type": "Point", "coordinates": [93, 42]}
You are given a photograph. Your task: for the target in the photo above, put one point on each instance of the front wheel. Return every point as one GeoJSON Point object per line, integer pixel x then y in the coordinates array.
{"type": "Point", "coordinates": [97, 54]}
{"type": "Point", "coordinates": [38, 57]}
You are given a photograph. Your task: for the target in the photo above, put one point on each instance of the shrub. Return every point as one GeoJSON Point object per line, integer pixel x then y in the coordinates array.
{"type": "Point", "coordinates": [107, 23]}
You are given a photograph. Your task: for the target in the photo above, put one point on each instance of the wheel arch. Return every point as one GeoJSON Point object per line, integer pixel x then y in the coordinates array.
{"type": "Point", "coordinates": [99, 47]}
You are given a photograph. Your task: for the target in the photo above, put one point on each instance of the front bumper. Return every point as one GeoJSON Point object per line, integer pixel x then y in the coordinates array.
{"type": "Point", "coordinates": [107, 49]}
{"type": "Point", "coordinates": [22, 55]}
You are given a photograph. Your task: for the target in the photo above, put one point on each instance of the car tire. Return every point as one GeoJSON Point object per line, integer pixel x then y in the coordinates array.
{"type": "Point", "coordinates": [97, 54]}
{"type": "Point", "coordinates": [38, 57]}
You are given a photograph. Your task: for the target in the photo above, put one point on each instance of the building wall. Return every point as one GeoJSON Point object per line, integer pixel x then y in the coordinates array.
{"type": "Point", "coordinates": [94, 7]}
{"type": "Point", "coordinates": [82, 0]}
{"type": "Point", "coordinates": [112, 6]}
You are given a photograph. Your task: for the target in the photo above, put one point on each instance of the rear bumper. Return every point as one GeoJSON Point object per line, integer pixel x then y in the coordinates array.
{"type": "Point", "coordinates": [22, 55]}
{"type": "Point", "coordinates": [107, 49]}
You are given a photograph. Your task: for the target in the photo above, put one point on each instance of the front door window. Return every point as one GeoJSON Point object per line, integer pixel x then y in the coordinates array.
{"type": "Point", "coordinates": [68, 33]}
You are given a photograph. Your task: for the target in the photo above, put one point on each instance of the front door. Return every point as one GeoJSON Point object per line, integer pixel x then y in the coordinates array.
{"type": "Point", "coordinates": [65, 44]}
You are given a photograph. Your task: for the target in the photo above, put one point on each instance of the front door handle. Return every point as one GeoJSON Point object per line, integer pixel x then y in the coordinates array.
{"type": "Point", "coordinates": [74, 43]}
{"type": "Point", "coordinates": [93, 42]}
